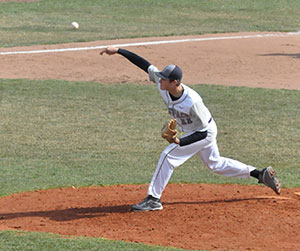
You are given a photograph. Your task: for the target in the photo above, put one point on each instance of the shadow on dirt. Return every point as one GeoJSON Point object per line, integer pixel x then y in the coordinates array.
{"type": "Point", "coordinates": [92, 212]}
{"type": "Point", "coordinates": [292, 55]}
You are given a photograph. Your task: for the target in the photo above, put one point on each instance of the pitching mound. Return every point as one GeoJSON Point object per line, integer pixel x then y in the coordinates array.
{"type": "Point", "coordinates": [195, 216]}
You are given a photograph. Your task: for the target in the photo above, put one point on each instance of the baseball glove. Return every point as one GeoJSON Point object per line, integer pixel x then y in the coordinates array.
{"type": "Point", "coordinates": [169, 132]}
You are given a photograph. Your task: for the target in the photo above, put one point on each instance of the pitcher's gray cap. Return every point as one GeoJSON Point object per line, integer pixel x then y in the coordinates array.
{"type": "Point", "coordinates": [171, 72]}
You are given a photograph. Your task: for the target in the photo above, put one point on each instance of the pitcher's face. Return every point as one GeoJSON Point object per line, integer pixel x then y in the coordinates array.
{"type": "Point", "coordinates": [165, 84]}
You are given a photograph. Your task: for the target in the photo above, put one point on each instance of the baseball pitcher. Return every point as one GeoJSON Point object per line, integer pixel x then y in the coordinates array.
{"type": "Point", "coordinates": [189, 113]}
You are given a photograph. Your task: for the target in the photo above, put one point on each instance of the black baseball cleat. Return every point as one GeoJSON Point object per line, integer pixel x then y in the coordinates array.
{"type": "Point", "coordinates": [267, 177]}
{"type": "Point", "coordinates": [148, 204]}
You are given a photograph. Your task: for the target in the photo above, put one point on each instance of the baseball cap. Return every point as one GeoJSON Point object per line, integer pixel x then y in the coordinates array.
{"type": "Point", "coordinates": [171, 72]}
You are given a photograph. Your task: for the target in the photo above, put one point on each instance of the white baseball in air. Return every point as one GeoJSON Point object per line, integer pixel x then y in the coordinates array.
{"type": "Point", "coordinates": [75, 25]}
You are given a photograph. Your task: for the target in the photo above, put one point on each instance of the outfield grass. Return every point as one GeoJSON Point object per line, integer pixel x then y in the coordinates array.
{"type": "Point", "coordinates": [49, 21]}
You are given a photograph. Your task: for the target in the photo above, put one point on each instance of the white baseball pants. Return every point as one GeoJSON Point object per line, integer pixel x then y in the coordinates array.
{"type": "Point", "coordinates": [207, 149]}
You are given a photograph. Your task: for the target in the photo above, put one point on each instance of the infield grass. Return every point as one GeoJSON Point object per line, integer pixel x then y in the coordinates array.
{"type": "Point", "coordinates": [49, 21]}
{"type": "Point", "coordinates": [57, 133]}
{"type": "Point", "coordinates": [18, 240]}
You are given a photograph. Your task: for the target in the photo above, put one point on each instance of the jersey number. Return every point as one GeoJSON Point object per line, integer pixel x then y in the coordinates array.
{"type": "Point", "coordinates": [186, 121]}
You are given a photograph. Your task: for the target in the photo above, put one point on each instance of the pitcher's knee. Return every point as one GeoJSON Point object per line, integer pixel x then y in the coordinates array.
{"type": "Point", "coordinates": [168, 157]}
{"type": "Point", "coordinates": [167, 151]}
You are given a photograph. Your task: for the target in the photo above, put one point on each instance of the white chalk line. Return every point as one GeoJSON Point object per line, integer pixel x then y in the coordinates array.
{"type": "Point", "coordinates": [148, 43]}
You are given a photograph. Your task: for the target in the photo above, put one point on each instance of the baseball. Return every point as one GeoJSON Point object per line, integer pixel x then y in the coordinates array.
{"type": "Point", "coordinates": [75, 25]}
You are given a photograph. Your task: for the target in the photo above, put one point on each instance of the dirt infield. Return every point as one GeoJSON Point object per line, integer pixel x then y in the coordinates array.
{"type": "Point", "coordinates": [195, 216]}
{"type": "Point", "coordinates": [268, 62]}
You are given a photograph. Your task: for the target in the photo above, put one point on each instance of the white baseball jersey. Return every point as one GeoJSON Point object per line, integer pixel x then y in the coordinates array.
{"type": "Point", "coordinates": [189, 110]}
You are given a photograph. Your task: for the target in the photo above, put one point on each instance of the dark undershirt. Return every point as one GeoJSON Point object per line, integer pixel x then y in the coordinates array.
{"type": "Point", "coordinates": [135, 59]}
{"type": "Point", "coordinates": [176, 98]}
{"type": "Point", "coordinates": [144, 65]}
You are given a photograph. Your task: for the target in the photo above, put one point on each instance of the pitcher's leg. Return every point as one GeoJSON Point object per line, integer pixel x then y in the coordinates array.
{"type": "Point", "coordinates": [224, 166]}
{"type": "Point", "coordinates": [173, 156]}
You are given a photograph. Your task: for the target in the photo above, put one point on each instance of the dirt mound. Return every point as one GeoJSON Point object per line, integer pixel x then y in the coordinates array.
{"type": "Point", "coordinates": [195, 216]}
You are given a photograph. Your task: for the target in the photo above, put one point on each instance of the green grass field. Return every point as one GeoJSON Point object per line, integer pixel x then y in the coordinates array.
{"type": "Point", "coordinates": [18, 240]}
{"type": "Point", "coordinates": [49, 21]}
{"type": "Point", "coordinates": [51, 129]}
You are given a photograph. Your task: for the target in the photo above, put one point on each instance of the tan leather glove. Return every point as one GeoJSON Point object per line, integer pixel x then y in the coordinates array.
{"type": "Point", "coordinates": [169, 132]}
